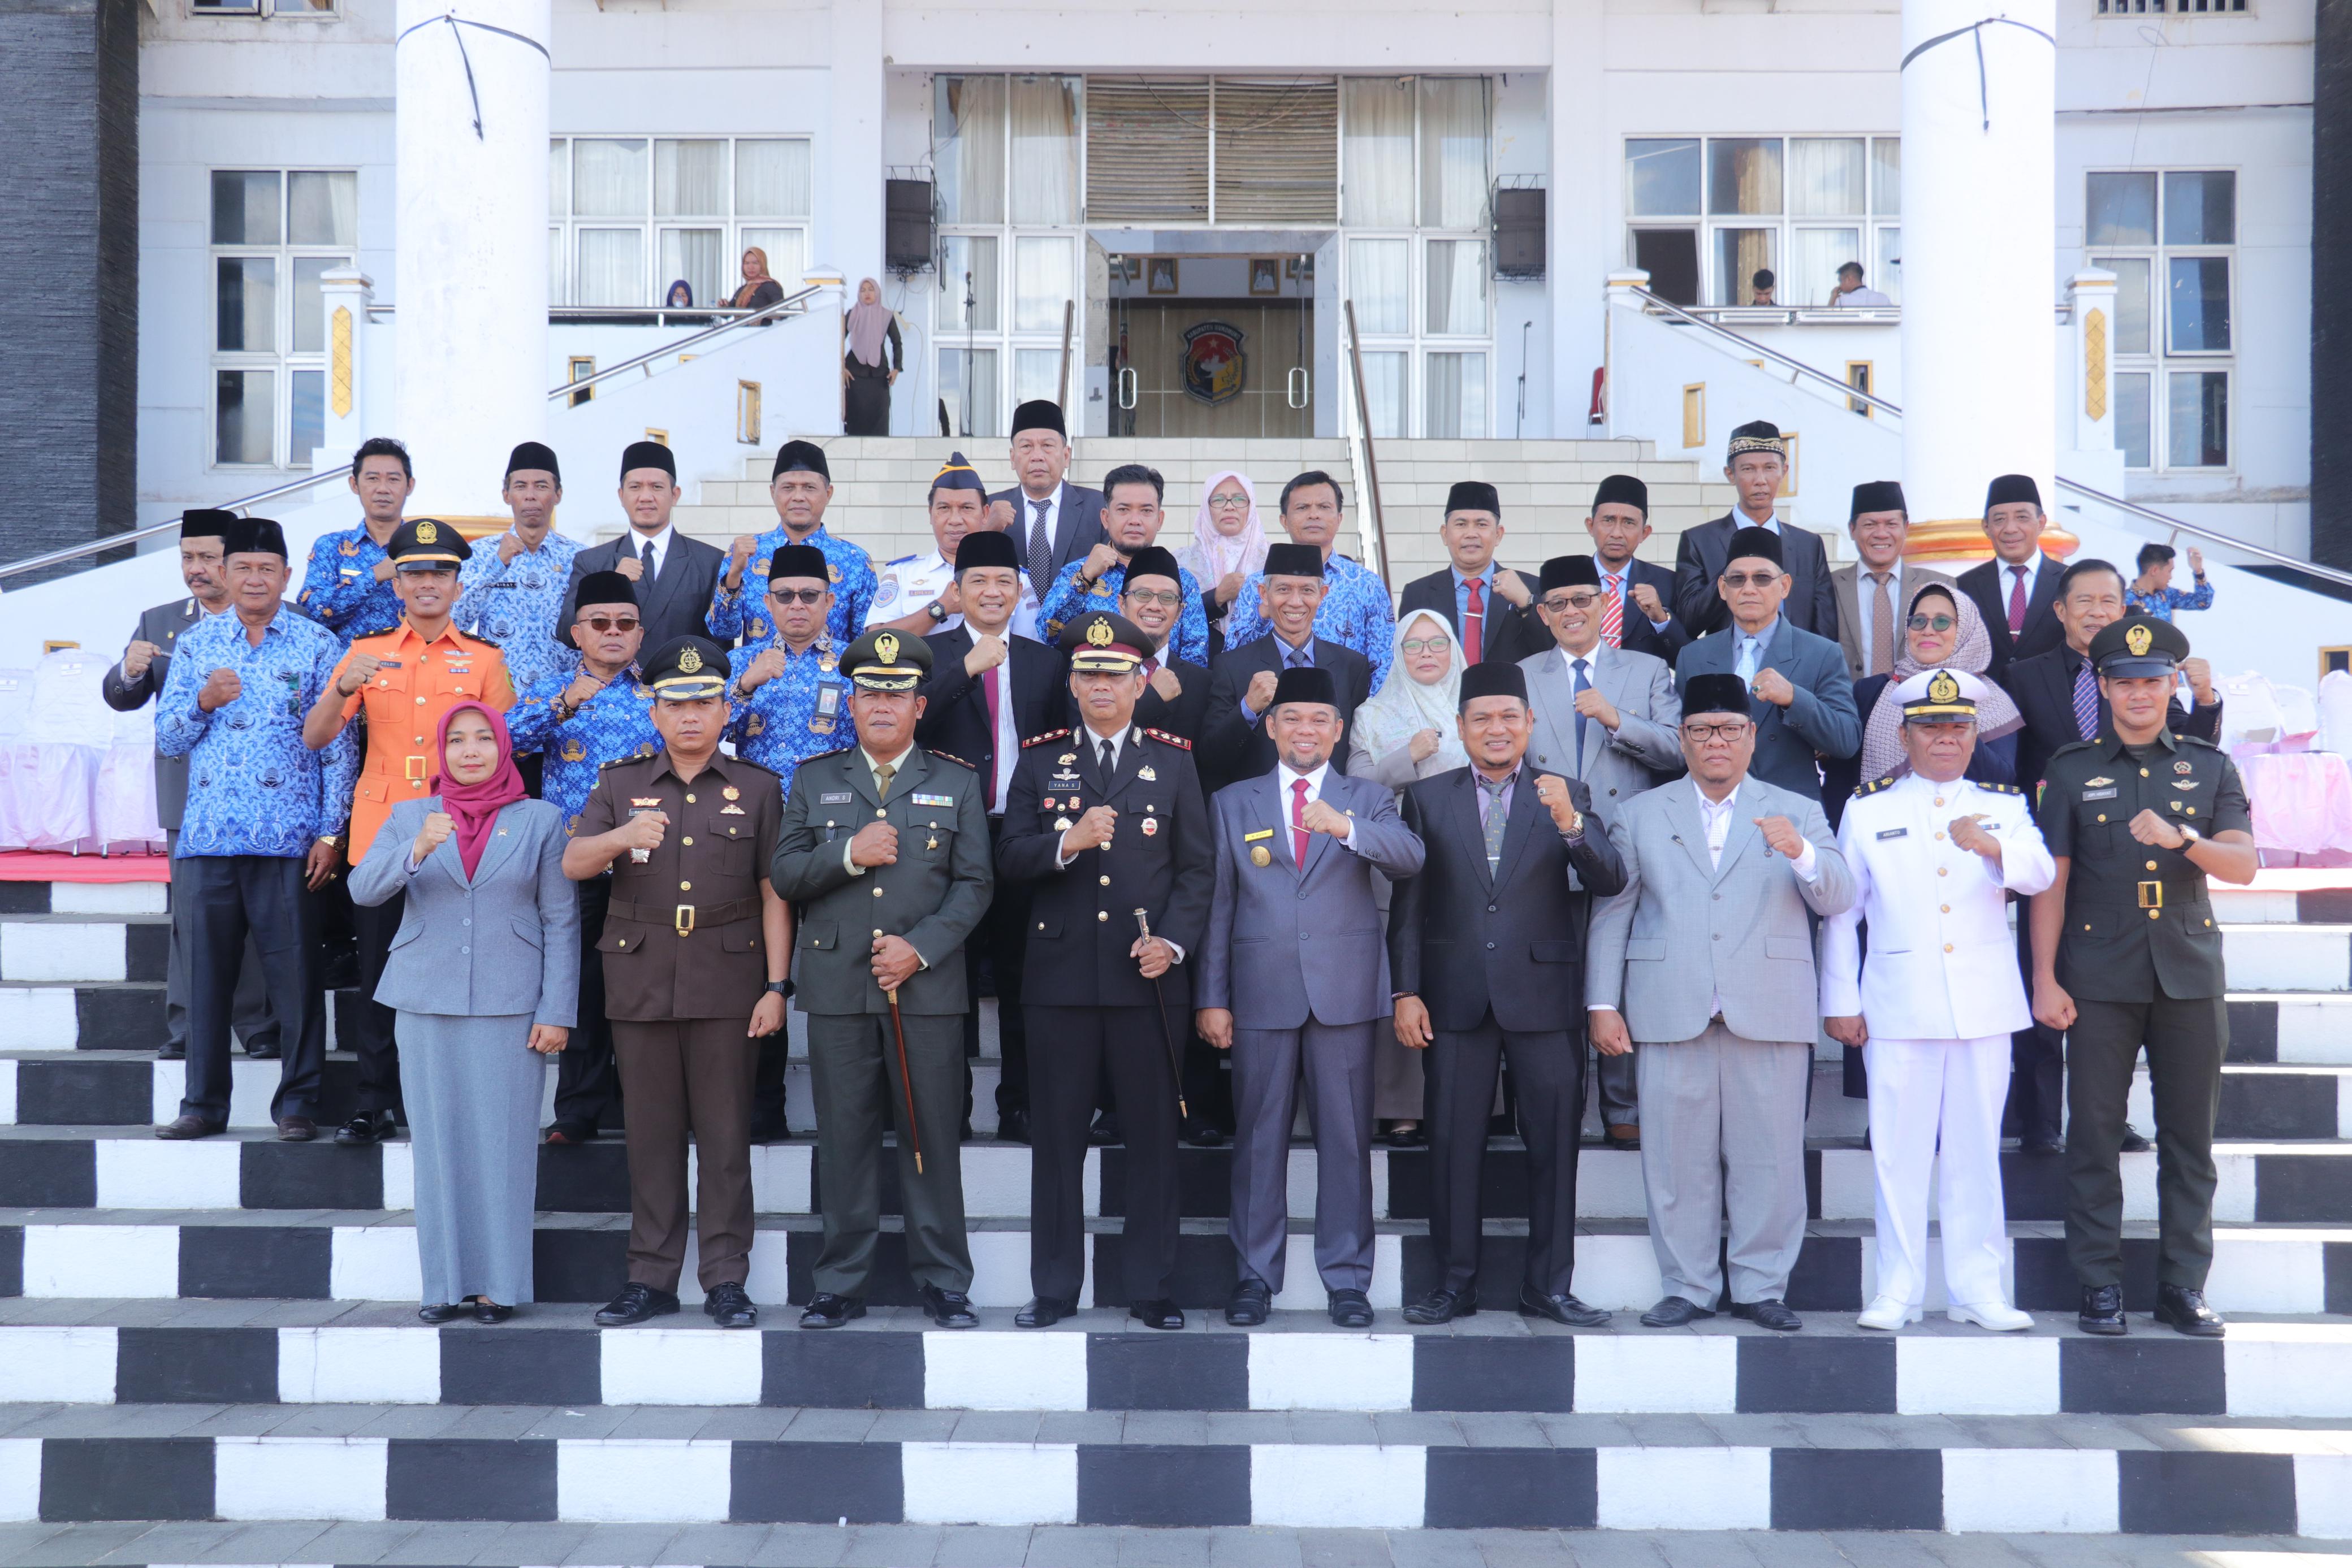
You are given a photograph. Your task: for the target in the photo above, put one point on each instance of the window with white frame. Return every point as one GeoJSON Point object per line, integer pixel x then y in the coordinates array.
{"type": "Point", "coordinates": [307, 10]}
{"type": "Point", "coordinates": [1005, 153]}
{"type": "Point", "coordinates": [2170, 236]}
{"type": "Point", "coordinates": [1706, 214]}
{"type": "Point", "coordinates": [2177, 7]}
{"type": "Point", "coordinates": [629, 216]}
{"type": "Point", "coordinates": [1415, 170]}
{"type": "Point", "coordinates": [275, 233]}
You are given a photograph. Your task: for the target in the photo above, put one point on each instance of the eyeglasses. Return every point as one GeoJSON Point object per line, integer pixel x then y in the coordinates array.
{"type": "Point", "coordinates": [1751, 579]}
{"type": "Point", "coordinates": [1168, 596]}
{"type": "Point", "coordinates": [1709, 734]}
{"type": "Point", "coordinates": [1932, 622]}
{"type": "Point", "coordinates": [1423, 644]}
{"type": "Point", "coordinates": [1230, 502]}
{"type": "Point", "coordinates": [797, 595]}
{"type": "Point", "coordinates": [602, 623]}
{"type": "Point", "coordinates": [1571, 602]}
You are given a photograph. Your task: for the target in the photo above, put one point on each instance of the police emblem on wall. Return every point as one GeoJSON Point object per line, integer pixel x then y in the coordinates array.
{"type": "Point", "coordinates": [1215, 367]}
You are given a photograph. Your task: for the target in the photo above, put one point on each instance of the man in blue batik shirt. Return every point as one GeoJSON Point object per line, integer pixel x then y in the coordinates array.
{"type": "Point", "coordinates": [1356, 614]}
{"type": "Point", "coordinates": [791, 699]}
{"type": "Point", "coordinates": [261, 831]}
{"type": "Point", "coordinates": [1132, 518]}
{"type": "Point", "coordinates": [347, 582]}
{"type": "Point", "coordinates": [801, 487]}
{"type": "Point", "coordinates": [2152, 593]}
{"type": "Point", "coordinates": [599, 713]}
{"type": "Point", "coordinates": [511, 591]}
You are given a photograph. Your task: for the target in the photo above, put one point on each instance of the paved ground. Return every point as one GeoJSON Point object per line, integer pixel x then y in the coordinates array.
{"type": "Point", "coordinates": [919, 1546]}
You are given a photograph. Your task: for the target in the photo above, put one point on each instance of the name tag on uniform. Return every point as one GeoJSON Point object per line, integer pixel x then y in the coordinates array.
{"type": "Point", "coordinates": [455, 669]}
{"type": "Point", "coordinates": [923, 800]}
{"type": "Point", "coordinates": [1261, 833]}
{"type": "Point", "coordinates": [2107, 794]}
{"type": "Point", "coordinates": [833, 798]}
{"type": "Point", "coordinates": [1894, 832]}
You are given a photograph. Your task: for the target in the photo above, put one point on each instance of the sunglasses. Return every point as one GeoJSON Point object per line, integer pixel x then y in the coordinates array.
{"type": "Point", "coordinates": [1571, 602]}
{"type": "Point", "coordinates": [1423, 644]}
{"type": "Point", "coordinates": [1751, 579]}
{"type": "Point", "coordinates": [1229, 501]}
{"type": "Point", "coordinates": [797, 595]}
{"type": "Point", "coordinates": [1168, 596]}
{"type": "Point", "coordinates": [602, 623]}
{"type": "Point", "coordinates": [1932, 622]}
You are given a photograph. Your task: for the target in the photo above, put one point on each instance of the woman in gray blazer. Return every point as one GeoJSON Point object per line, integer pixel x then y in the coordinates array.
{"type": "Point", "coordinates": [484, 972]}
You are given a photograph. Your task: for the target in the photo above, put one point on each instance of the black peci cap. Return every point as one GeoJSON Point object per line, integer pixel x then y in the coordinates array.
{"type": "Point", "coordinates": [986, 547]}
{"type": "Point", "coordinates": [795, 454]}
{"type": "Point", "coordinates": [206, 523]}
{"type": "Point", "coordinates": [1876, 495]}
{"type": "Point", "coordinates": [1039, 414]}
{"type": "Point", "coordinates": [1304, 683]}
{"type": "Point", "coordinates": [799, 560]}
{"type": "Point", "coordinates": [1287, 560]}
{"type": "Point", "coordinates": [252, 535]}
{"type": "Point", "coordinates": [1753, 541]}
{"type": "Point", "coordinates": [1757, 435]}
{"type": "Point", "coordinates": [2012, 487]}
{"type": "Point", "coordinates": [1623, 490]}
{"type": "Point", "coordinates": [1568, 571]}
{"type": "Point", "coordinates": [1715, 694]}
{"type": "Point", "coordinates": [603, 587]}
{"type": "Point", "coordinates": [1493, 678]}
{"type": "Point", "coordinates": [534, 457]}
{"type": "Point", "coordinates": [1152, 561]}
{"type": "Point", "coordinates": [648, 454]}
{"type": "Point", "coordinates": [1473, 496]}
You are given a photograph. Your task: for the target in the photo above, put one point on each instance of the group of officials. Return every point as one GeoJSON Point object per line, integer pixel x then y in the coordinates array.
{"type": "Point", "coordinates": [1049, 748]}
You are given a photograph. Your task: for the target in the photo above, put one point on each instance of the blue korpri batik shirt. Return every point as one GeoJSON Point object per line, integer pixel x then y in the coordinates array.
{"type": "Point", "coordinates": [339, 590]}
{"type": "Point", "coordinates": [801, 714]}
{"type": "Point", "coordinates": [617, 722]}
{"type": "Point", "coordinates": [1356, 614]}
{"type": "Point", "coordinates": [745, 612]}
{"type": "Point", "coordinates": [254, 789]}
{"type": "Point", "coordinates": [515, 604]}
{"type": "Point", "coordinates": [1063, 603]}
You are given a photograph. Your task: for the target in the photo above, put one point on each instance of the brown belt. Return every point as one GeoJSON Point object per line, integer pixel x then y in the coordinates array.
{"type": "Point", "coordinates": [684, 917]}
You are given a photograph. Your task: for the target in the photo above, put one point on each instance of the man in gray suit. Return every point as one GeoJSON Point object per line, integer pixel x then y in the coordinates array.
{"type": "Point", "coordinates": [1295, 949]}
{"type": "Point", "coordinates": [1804, 699]}
{"type": "Point", "coordinates": [1607, 717]}
{"type": "Point", "coordinates": [131, 685]}
{"type": "Point", "coordinates": [1873, 595]}
{"type": "Point", "coordinates": [674, 575]}
{"type": "Point", "coordinates": [1707, 959]}
{"type": "Point", "coordinates": [1053, 522]}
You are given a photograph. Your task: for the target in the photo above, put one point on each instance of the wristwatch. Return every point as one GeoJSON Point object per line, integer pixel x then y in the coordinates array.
{"type": "Point", "coordinates": [780, 987]}
{"type": "Point", "coordinates": [936, 610]}
{"type": "Point", "coordinates": [2188, 835]}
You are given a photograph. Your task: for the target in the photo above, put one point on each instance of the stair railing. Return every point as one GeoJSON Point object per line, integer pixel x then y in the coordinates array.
{"type": "Point", "coordinates": [1361, 456]}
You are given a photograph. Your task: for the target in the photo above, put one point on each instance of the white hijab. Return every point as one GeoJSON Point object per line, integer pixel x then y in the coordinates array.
{"type": "Point", "coordinates": [1404, 706]}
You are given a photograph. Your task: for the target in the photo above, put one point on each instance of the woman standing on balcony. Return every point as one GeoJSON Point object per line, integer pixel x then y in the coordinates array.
{"type": "Point", "coordinates": [759, 290]}
{"type": "Point", "coordinates": [865, 378]}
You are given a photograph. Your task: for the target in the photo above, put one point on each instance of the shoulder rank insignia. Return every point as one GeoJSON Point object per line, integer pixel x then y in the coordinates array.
{"type": "Point", "coordinates": [2002, 788]}
{"type": "Point", "coordinates": [1175, 740]}
{"type": "Point", "coordinates": [1042, 739]}
{"type": "Point", "coordinates": [950, 756]}
{"type": "Point", "coordinates": [1874, 786]}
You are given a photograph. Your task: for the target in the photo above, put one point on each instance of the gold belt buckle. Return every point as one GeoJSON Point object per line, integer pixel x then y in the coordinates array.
{"type": "Point", "coordinates": [684, 919]}
{"type": "Point", "coordinates": [2151, 895]}
{"type": "Point", "coordinates": [416, 769]}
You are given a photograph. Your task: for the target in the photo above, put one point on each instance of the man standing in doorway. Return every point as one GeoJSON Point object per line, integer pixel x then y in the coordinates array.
{"type": "Point", "coordinates": [347, 582]}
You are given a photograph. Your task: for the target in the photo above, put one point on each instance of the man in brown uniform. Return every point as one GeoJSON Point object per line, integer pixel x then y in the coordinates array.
{"type": "Point", "coordinates": [695, 943]}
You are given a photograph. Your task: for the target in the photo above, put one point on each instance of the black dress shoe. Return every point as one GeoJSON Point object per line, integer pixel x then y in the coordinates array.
{"type": "Point", "coordinates": [568, 1134]}
{"type": "Point", "coordinates": [1673, 1312]}
{"type": "Point", "coordinates": [2186, 1311]}
{"type": "Point", "coordinates": [731, 1306]}
{"type": "Point", "coordinates": [2132, 1143]}
{"type": "Point", "coordinates": [446, 1312]}
{"type": "Point", "coordinates": [265, 1052]}
{"type": "Point", "coordinates": [488, 1311]}
{"type": "Point", "coordinates": [770, 1131]}
{"type": "Point", "coordinates": [827, 1310]}
{"type": "Point", "coordinates": [1044, 1313]}
{"type": "Point", "coordinates": [636, 1304]}
{"type": "Point", "coordinates": [1158, 1313]}
{"type": "Point", "coordinates": [1413, 1137]}
{"type": "Point", "coordinates": [367, 1127]}
{"type": "Point", "coordinates": [949, 1309]}
{"type": "Point", "coordinates": [295, 1129]}
{"type": "Point", "coordinates": [1247, 1306]}
{"type": "Point", "coordinates": [1443, 1306]}
{"type": "Point", "coordinates": [1205, 1136]}
{"type": "Point", "coordinates": [1012, 1125]}
{"type": "Point", "coordinates": [182, 1127]}
{"type": "Point", "coordinates": [1560, 1308]}
{"type": "Point", "coordinates": [1105, 1131]}
{"type": "Point", "coordinates": [2103, 1311]}
{"type": "Point", "coordinates": [1771, 1312]}
{"type": "Point", "coordinates": [168, 1051]}
{"type": "Point", "coordinates": [2041, 1146]}
{"type": "Point", "coordinates": [1350, 1310]}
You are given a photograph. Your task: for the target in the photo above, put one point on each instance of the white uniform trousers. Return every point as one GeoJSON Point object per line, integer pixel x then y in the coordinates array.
{"type": "Point", "coordinates": [1924, 1093]}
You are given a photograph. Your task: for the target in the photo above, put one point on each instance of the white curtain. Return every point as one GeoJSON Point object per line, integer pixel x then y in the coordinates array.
{"type": "Point", "coordinates": [970, 124]}
{"type": "Point", "coordinates": [559, 183]}
{"type": "Point", "coordinates": [969, 382]}
{"type": "Point", "coordinates": [2132, 275]}
{"type": "Point", "coordinates": [1452, 151]}
{"type": "Point", "coordinates": [1037, 372]}
{"type": "Point", "coordinates": [1886, 176]}
{"type": "Point", "coordinates": [1376, 152]}
{"type": "Point", "coordinates": [1042, 279]}
{"type": "Point", "coordinates": [787, 258]}
{"type": "Point", "coordinates": [1458, 287]}
{"type": "Point", "coordinates": [244, 402]}
{"type": "Point", "coordinates": [555, 267]}
{"type": "Point", "coordinates": [309, 306]}
{"type": "Point", "coordinates": [1044, 116]}
{"type": "Point", "coordinates": [245, 304]}
{"type": "Point", "coordinates": [1454, 397]}
{"type": "Point", "coordinates": [1813, 262]}
{"type": "Point", "coordinates": [1384, 376]}
{"type": "Point", "coordinates": [1739, 255]}
{"type": "Point", "coordinates": [2131, 417]}
{"type": "Point", "coordinates": [608, 179]}
{"type": "Point", "coordinates": [689, 179]}
{"type": "Point", "coordinates": [1826, 176]}
{"type": "Point", "coordinates": [975, 254]}
{"type": "Point", "coordinates": [696, 255]}
{"type": "Point", "coordinates": [772, 180]}
{"type": "Point", "coordinates": [323, 207]}
{"type": "Point", "coordinates": [1889, 278]}
{"type": "Point", "coordinates": [1379, 273]}
{"type": "Point", "coordinates": [308, 423]}
{"type": "Point", "coordinates": [612, 268]}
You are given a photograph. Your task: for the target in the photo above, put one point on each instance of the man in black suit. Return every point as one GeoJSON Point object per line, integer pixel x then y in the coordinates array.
{"type": "Point", "coordinates": [2057, 693]}
{"type": "Point", "coordinates": [1484, 945]}
{"type": "Point", "coordinates": [2018, 588]}
{"type": "Point", "coordinates": [129, 684]}
{"type": "Point", "coordinates": [1053, 522]}
{"type": "Point", "coordinates": [1638, 611]}
{"type": "Point", "coordinates": [1176, 691]}
{"type": "Point", "coordinates": [989, 692]}
{"type": "Point", "coordinates": [1756, 465]}
{"type": "Point", "coordinates": [1489, 607]}
{"type": "Point", "coordinates": [674, 575]}
{"type": "Point", "coordinates": [1234, 743]}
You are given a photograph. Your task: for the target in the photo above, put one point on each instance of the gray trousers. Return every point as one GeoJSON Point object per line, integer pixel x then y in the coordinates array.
{"type": "Point", "coordinates": [854, 1073]}
{"type": "Point", "coordinates": [1617, 1089]}
{"type": "Point", "coordinates": [1723, 1129]}
{"type": "Point", "coordinates": [1338, 1058]}
{"type": "Point", "coordinates": [249, 1015]}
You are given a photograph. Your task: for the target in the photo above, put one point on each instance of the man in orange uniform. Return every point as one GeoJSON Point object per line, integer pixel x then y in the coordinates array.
{"type": "Point", "coordinates": [405, 679]}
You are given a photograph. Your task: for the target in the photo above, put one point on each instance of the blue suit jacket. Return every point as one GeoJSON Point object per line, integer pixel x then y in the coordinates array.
{"type": "Point", "coordinates": [1822, 721]}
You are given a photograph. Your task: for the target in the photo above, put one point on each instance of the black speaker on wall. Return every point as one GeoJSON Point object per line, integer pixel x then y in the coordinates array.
{"type": "Point", "coordinates": [1518, 232]}
{"type": "Point", "coordinates": [906, 226]}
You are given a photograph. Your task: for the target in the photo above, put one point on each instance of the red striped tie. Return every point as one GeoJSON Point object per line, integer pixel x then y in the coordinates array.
{"type": "Point", "coordinates": [1473, 622]}
{"type": "Point", "coordinates": [1613, 612]}
{"type": "Point", "coordinates": [1298, 839]}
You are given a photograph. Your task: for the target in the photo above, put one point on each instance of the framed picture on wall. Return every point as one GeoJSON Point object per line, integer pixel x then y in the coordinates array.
{"type": "Point", "coordinates": [1265, 275]}
{"type": "Point", "coordinates": [1160, 275]}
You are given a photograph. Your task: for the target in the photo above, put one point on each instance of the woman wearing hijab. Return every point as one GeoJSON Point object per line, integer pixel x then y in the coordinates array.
{"type": "Point", "coordinates": [483, 978]}
{"type": "Point", "coordinates": [1943, 630]}
{"type": "Point", "coordinates": [759, 290]}
{"type": "Point", "coordinates": [870, 329]}
{"type": "Point", "coordinates": [1228, 544]}
{"type": "Point", "coordinates": [680, 296]}
{"type": "Point", "coordinates": [1409, 731]}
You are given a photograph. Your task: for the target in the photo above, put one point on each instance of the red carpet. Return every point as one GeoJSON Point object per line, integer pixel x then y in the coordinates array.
{"type": "Point", "coordinates": [40, 865]}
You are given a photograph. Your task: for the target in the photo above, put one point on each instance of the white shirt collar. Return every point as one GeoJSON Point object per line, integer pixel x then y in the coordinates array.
{"type": "Point", "coordinates": [1283, 775]}
{"type": "Point", "coordinates": [1117, 739]}
{"type": "Point", "coordinates": [660, 541]}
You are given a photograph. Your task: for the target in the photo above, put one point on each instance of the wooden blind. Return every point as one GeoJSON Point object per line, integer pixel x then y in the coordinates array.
{"type": "Point", "coordinates": [1278, 151]}
{"type": "Point", "coordinates": [1147, 150]}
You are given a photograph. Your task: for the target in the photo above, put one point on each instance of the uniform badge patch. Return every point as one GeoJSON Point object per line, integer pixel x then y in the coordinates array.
{"type": "Point", "coordinates": [1150, 826]}
{"type": "Point", "coordinates": [731, 793]}
{"type": "Point", "coordinates": [1258, 855]}
{"type": "Point", "coordinates": [2095, 783]}
{"type": "Point", "coordinates": [2183, 767]}
{"type": "Point", "coordinates": [1147, 775]}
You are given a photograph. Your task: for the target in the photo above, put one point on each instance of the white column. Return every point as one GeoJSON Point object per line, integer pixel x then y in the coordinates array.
{"type": "Point", "coordinates": [1588, 174]}
{"type": "Point", "coordinates": [344, 295]}
{"type": "Point", "coordinates": [2086, 383]}
{"type": "Point", "coordinates": [852, 240]}
{"type": "Point", "coordinates": [1979, 287]}
{"type": "Point", "coordinates": [470, 285]}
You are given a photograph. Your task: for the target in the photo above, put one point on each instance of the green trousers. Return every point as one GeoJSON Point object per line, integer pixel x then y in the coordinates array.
{"type": "Point", "coordinates": [854, 1070]}
{"type": "Point", "coordinates": [2186, 1040]}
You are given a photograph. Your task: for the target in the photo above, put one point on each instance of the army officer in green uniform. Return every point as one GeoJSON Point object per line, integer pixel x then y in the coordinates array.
{"type": "Point", "coordinates": [885, 848]}
{"type": "Point", "coordinates": [2125, 950]}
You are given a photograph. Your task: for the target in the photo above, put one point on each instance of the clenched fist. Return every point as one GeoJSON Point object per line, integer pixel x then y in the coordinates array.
{"type": "Point", "coordinates": [383, 570]}
{"type": "Point", "coordinates": [509, 547]}
{"type": "Point", "coordinates": [876, 844]}
{"type": "Point", "coordinates": [358, 671]}
{"type": "Point", "coordinates": [643, 830]}
{"type": "Point", "coordinates": [221, 688]}
{"type": "Point", "coordinates": [1514, 588]}
{"type": "Point", "coordinates": [630, 567]}
{"type": "Point", "coordinates": [1968, 832]}
{"type": "Point", "coordinates": [1425, 744]}
{"type": "Point", "coordinates": [1607, 1025]}
{"type": "Point", "coordinates": [1553, 791]}
{"type": "Point", "coordinates": [761, 670]}
{"type": "Point", "coordinates": [431, 835]}
{"type": "Point", "coordinates": [739, 550]}
{"type": "Point", "coordinates": [1164, 683]}
{"type": "Point", "coordinates": [1322, 817]}
{"type": "Point", "coordinates": [1848, 1029]}
{"type": "Point", "coordinates": [1261, 693]}
{"type": "Point", "coordinates": [136, 658]}
{"type": "Point", "coordinates": [1100, 559]}
{"type": "Point", "coordinates": [1772, 686]}
{"type": "Point", "coordinates": [1645, 600]}
{"type": "Point", "coordinates": [988, 652]}
{"type": "Point", "coordinates": [1093, 831]}
{"type": "Point", "coordinates": [1594, 705]}
{"type": "Point", "coordinates": [1782, 835]}
{"type": "Point", "coordinates": [1153, 956]}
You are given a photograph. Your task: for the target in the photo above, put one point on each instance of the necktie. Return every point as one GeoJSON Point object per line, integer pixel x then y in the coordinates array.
{"type": "Point", "coordinates": [1298, 826]}
{"type": "Point", "coordinates": [1151, 668]}
{"type": "Point", "coordinates": [1041, 546]}
{"type": "Point", "coordinates": [882, 776]}
{"type": "Point", "coordinates": [2016, 600]}
{"type": "Point", "coordinates": [1612, 612]}
{"type": "Point", "coordinates": [1104, 759]}
{"type": "Point", "coordinates": [1582, 685]}
{"type": "Point", "coordinates": [1746, 666]}
{"type": "Point", "coordinates": [2086, 701]}
{"type": "Point", "coordinates": [650, 562]}
{"type": "Point", "coordinates": [1882, 626]}
{"type": "Point", "coordinates": [1296, 658]}
{"type": "Point", "coordinates": [1473, 622]}
{"type": "Point", "coordinates": [988, 686]}
{"type": "Point", "coordinates": [1496, 817]}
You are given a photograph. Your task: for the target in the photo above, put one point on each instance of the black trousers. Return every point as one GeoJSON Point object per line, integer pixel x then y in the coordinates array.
{"type": "Point", "coordinates": [1616, 1090]}
{"type": "Point", "coordinates": [228, 898]}
{"type": "Point", "coordinates": [2186, 1040]}
{"type": "Point", "coordinates": [1003, 935]}
{"type": "Point", "coordinates": [587, 1088]}
{"type": "Point", "coordinates": [249, 1017]}
{"type": "Point", "coordinates": [1076, 1049]}
{"type": "Point", "coordinates": [1548, 1069]}
{"type": "Point", "coordinates": [371, 1022]}
{"type": "Point", "coordinates": [2037, 1061]}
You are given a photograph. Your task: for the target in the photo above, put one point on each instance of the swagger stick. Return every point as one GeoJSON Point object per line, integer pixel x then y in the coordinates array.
{"type": "Point", "coordinates": [1175, 1063]}
{"type": "Point", "coordinates": [899, 1028]}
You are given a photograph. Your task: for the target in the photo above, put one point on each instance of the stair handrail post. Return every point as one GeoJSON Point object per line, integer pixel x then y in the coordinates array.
{"type": "Point", "coordinates": [1376, 544]}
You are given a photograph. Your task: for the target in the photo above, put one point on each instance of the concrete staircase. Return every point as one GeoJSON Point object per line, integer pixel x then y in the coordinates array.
{"type": "Point", "coordinates": [222, 1334]}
